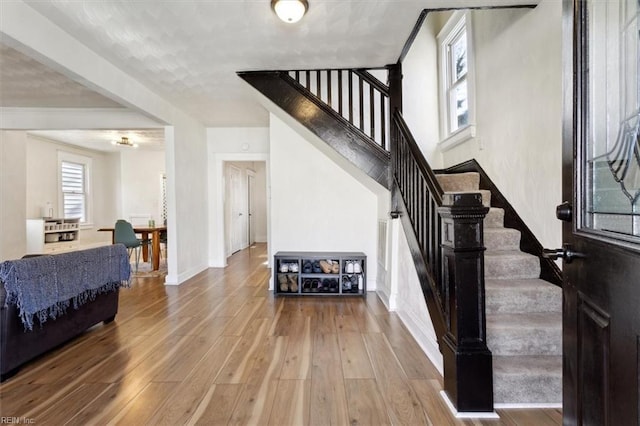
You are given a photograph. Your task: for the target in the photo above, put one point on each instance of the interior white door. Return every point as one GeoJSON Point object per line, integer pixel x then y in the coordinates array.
{"type": "Point", "coordinates": [250, 207]}
{"type": "Point", "coordinates": [234, 197]}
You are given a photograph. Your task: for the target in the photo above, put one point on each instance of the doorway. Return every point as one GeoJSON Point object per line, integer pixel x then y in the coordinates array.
{"type": "Point", "coordinates": [245, 202]}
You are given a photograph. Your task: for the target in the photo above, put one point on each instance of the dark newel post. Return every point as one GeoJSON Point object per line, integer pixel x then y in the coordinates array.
{"type": "Point", "coordinates": [395, 87]}
{"type": "Point", "coordinates": [468, 373]}
{"type": "Point", "coordinates": [395, 103]}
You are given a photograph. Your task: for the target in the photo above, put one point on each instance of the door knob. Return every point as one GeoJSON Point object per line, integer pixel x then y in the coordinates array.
{"type": "Point", "coordinates": [564, 212]}
{"type": "Point", "coordinates": [564, 253]}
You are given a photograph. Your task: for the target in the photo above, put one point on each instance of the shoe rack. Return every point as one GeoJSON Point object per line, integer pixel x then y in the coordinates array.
{"type": "Point", "coordinates": [320, 274]}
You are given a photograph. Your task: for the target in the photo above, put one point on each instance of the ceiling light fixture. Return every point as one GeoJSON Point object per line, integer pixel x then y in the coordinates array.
{"type": "Point", "coordinates": [125, 142]}
{"type": "Point", "coordinates": [290, 11]}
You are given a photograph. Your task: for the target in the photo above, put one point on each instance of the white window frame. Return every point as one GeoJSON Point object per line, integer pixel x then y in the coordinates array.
{"type": "Point", "coordinates": [460, 20]}
{"type": "Point", "coordinates": [87, 163]}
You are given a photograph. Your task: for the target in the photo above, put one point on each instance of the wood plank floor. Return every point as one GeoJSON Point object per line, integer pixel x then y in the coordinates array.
{"type": "Point", "coordinates": [220, 349]}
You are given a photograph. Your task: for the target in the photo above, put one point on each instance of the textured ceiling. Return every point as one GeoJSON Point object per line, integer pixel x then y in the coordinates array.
{"type": "Point", "coordinates": [100, 140]}
{"type": "Point", "coordinates": [26, 83]}
{"type": "Point", "coordinates": [189, 51]}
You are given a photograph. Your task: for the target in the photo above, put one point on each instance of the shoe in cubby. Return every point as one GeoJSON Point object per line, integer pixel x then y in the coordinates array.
{"type": "Point", "coordinates": [307, 267]}
{"type": "Point", "coordinates": [283, 282]}
{"type": "Point", "coordinates": [306, 285]}
{"type": "Point", "coordinates": [293, 282]}
{"type": "Point", "coordinates": [348, 268]}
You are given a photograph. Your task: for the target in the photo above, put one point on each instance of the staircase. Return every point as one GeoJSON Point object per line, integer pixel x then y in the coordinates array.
{"type": "Point", "coordinates": [523, 312]}
{"type": "Point", "coordinates": [519, 357]}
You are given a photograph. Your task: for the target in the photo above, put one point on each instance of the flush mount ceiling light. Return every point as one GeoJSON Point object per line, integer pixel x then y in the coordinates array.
{"type": "Point", "coordinates": [290, 11]}
{"type": "Point", "coordinates": [124, 141]}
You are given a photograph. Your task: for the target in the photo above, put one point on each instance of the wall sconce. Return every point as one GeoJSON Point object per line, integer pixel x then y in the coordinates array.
{"type": "Point", "coordinates": [290, 11]}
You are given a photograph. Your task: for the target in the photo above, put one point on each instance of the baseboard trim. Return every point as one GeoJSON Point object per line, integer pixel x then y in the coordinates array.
{"type": "Point", "coordinates": [428, 345]}
{"type": "Point", "coordinates": [467, 414]}
{"type": "Point", "coordinates": [180, 278]}
{"type": "Point", "coordinates": [511, 405]}
{"type": "Point", "coordinates": [388, 301]}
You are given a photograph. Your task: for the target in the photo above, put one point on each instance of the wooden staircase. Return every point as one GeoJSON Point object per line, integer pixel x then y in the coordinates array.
{"type": "Point", "coordinates": [523, 312]}
{"type": "Point", "coordinates": [505, 347]}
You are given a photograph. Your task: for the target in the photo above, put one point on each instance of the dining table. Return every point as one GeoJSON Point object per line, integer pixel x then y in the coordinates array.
{"type": "Point", "coordinates": [144, 232]}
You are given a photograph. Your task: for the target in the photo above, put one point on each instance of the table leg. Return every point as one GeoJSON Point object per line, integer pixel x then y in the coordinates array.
{"type": "Point", "coordinates": [145, 247]}
{"type": "Point", "coordinates": [155, 245]}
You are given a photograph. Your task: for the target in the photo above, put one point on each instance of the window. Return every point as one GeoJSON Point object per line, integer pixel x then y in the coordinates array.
{"type": "Point", "coordinates": [456, 79]}
{"type": "Point", "coordinates": [74, 186]}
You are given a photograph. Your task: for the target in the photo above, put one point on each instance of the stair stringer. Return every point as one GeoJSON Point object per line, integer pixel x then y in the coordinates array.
{"type": "Point", "coordinates": [366, 162]}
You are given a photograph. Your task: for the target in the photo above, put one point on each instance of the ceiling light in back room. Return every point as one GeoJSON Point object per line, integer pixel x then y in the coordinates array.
{"type": "Point", "coordinates": [124, 141]}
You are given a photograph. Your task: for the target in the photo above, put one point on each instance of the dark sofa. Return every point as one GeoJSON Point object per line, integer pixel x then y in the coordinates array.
{"type": "Point", "coordinates": [19, 345]}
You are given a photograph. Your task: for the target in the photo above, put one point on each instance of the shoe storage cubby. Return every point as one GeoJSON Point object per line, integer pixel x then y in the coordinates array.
{"type": "Point", "coordinates": [320, 274]}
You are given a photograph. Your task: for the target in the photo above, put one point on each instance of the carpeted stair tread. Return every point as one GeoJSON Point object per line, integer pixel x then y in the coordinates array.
{"type": "Point", "coordinates": [457, 182]}
{"type": "Point", "coordinates": [527, 379]}
{"type": "Point", "coordinates": [508, 264]}
{"type": "Point", "coordinates": [522, 295]}
{"type": "Point", "coordinates": [501, 239]}
{"type": "Point", "coordinates": [525, 334]}
{"type": "Point", "coordinates": [486, 195]}
{"type": "Point", "coordinates": [495, 218]}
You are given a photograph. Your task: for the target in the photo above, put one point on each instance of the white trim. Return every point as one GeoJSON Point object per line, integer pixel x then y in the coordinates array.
{"type": "Point", "coordinates": [173, 279]}
{"type": "Point", "coordinates": [523, 405]}
{"type": "Point", "coordinates": [457, 138]}
{"type": "Point", "coordinates": [428, 344]}
{"type": "Point", "coordinates": [217, 246]}
{"type": "Point", "coordinates": [457, 20]}
{"type": "Point", "coordinates": [467, 414]}
{"type": "Point", "coordinates": [87, 162]}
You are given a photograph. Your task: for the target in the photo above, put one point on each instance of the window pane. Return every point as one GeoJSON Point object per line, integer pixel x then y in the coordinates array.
{"type": "Point", "coordinates": [611, 185]}
{"type": "Point", "coordinates": [73, 190]}
{"type": "Point", "coordinates": [459, 56]}
{"type": "Point", "coordinates": [460, 107]}
{"type": "Point", "coordinates": [74, 206]}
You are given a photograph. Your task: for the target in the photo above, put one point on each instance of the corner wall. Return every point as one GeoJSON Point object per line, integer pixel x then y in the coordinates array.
{"type": "Point", "coordinates": [13, 183]}
{"type": "Point", "coordinates": [519, 111]}
{"type": "Point", "coordinates": [420, 94]}
{"type": "Point", "coordinates": [315, 204]}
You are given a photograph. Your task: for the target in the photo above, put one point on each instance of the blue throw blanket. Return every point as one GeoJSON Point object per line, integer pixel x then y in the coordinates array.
{"type": "Point", "coordinates": [45, 286]}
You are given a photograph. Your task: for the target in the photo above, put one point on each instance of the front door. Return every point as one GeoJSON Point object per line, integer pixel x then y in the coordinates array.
{"type": "Point", "coordinates": [601, 233]}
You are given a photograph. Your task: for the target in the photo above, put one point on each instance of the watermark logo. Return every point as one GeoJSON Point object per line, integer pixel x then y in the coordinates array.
{"type": "Point", "coordinates": [7, 420]}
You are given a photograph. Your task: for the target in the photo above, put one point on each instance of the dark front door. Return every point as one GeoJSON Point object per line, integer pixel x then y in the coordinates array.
{"type": "Point", "coordinates": [601, 181]}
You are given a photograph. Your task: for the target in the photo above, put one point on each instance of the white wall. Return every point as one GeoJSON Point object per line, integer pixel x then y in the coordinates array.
{"type": "Point", "coordinates": [260, 202]}
{"type": "Point", "coordinates": [411, 305]}
{"type": "Point", "coordinates": [13, 227]}
{"type": "Point", "coordinates": [141, 176]}
{"type": "Point", "coordinates": [519, 111]}
{"type": "Point", "coordinates": [420, 94]}
{"type": "Point", "coordinates": [187, 194]}
{"type": "Point", "coordinates": [231, 144]}
{"type": "Point", "coordinates": [42, 185]}
{"type": "Point", "coordinates": [315, 204]}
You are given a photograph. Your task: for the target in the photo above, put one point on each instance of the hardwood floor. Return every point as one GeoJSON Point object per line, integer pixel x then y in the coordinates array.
{"type": "Point", "coordinates": [220, 349]}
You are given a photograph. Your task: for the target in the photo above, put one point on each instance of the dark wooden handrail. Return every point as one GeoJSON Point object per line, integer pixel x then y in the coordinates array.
{"type": "Point", "coordinates": [367, 98]}
{"type": "Point", "coordinates": [445, 236]}
{"type": "Point", "coordinates": [430, 178]}
{"type": "Point", "coordinates": [369, 78]}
